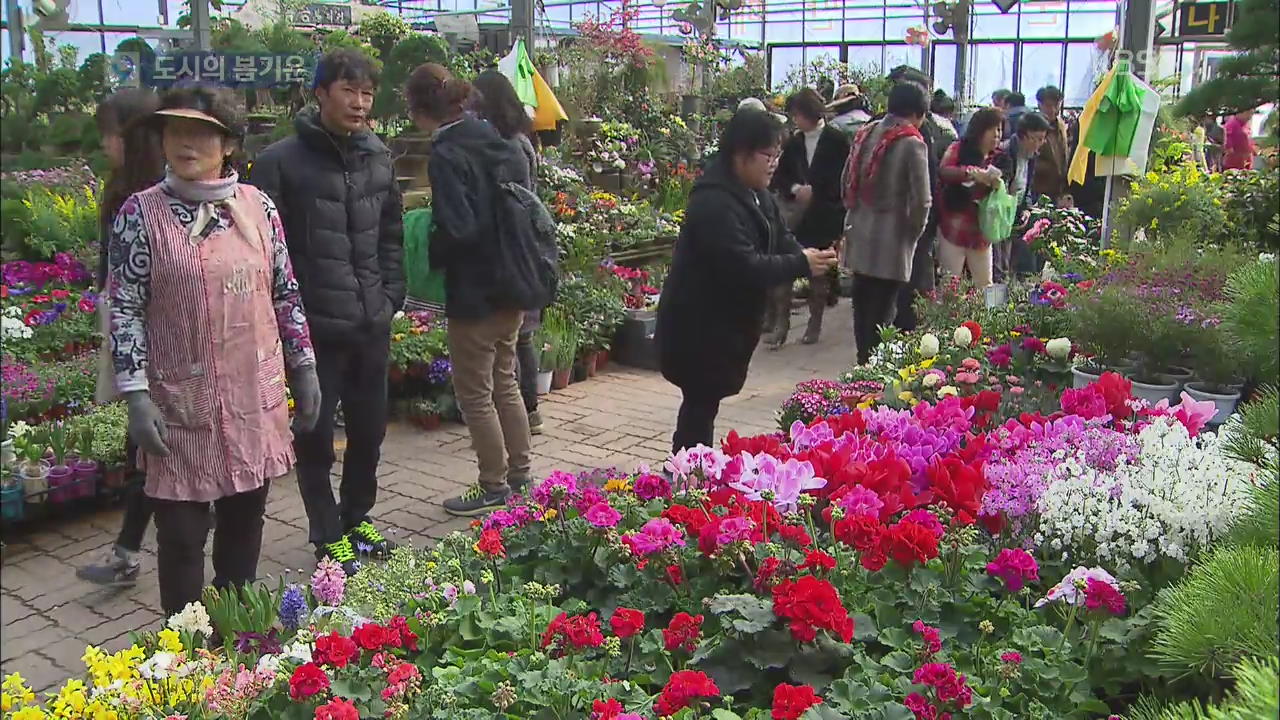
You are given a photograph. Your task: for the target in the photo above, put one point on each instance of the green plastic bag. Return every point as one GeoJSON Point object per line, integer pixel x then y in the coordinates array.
{"type": "Point", "coordinates": [996, 213]}
{"type": "Point", "coordinates": [424, 284]}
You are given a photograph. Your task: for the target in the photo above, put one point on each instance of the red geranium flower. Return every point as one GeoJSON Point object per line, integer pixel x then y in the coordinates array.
{"type": "Point", "coordinates": [606, 709]}
{"type": "Point", "coordinates": [961, 486]}
{"type": "Point", "coordinates": [627, 622]}
{"type": "Point", "coordinates": [792, 701]}
{"type": "Point", "coordinates": [675, 575]}
{"type": "Point", "coordinates": [909, 543]}
{"type": "Point", "coordinates": [795, 534]}
{"type": "Point", "coordinates": [307, 680]}
{"type": "Point", "coordinates": [811, 604]}
{"type": "Point", "coordinates": [683, 633]}
{"type": "Point", "coordinates": [490, 543]}
{"type": "Point", "coordinates": [578, 632]}
{"type": "Point", "coordinates": [337, 709]}
{"type": "Point", "coordinates": [334, 650]}
{"type": "Point", "coordinates": [682, 690]}
{"type": "Point", "coordinates": [373, 637]}
{"type": "Point", "coordinates": [816, 560]}
{"type": "Point", "coordinates": [408, 638]}
{"type": "Point", "coordinates": [861, 532]}
{"type": "Point", "coordinates": [403, 673]}
{"type": "Point", "coordinates": [1100, 594]}
{"type": "Point", "coordinates": [765, 574]}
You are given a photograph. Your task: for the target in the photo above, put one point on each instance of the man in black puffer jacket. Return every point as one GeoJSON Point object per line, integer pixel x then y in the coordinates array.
{"type": "Point", "coordinates": [336, 190]}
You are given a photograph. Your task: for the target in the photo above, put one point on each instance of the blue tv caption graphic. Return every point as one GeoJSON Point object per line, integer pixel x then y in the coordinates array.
{"type": "Point", "coordinates": [239, 70]}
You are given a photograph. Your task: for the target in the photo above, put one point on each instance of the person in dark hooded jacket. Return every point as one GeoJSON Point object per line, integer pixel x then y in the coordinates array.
{"type": "Point", "coordinates": [341, 208]}
{"type": "Point", "coordinates": [469, 159]}
{"type": "Point", "coordinates": [732, 248]}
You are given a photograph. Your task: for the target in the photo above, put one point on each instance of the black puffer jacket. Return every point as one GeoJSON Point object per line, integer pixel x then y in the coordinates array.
{"type": "Point", "coordinates": [342, 215]}
{"type": "Point", "coordinates": [732, 248]}
{"type": "Point", "coordinates": [468, 159]}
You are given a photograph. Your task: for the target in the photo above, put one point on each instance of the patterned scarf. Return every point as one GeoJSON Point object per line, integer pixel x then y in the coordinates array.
{"type": "Point", "coordinates": [207, 195]}
{"type": "Point", "coordinates": [857, 185]}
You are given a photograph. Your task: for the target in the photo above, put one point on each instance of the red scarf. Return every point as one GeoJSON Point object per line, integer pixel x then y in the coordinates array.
{"type": "Point", "coordinates": [858, 190]}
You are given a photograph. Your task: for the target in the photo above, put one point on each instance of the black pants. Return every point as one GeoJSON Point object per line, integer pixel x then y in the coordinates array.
{"type": "Point", "coordinates": [181, 531]}
{"type": "Point", "coordinates": [527, 369]}
{"type": "Point", "coordinates": [137, 506]}
{"type": "Point", "coordinates": [922, 281]}
{"type": "Point", "coordinates": [696, 423]}
{"type": "Point", "coordinates": [875, 303]}
{"type": "Point", "coordinates": [356, 374]}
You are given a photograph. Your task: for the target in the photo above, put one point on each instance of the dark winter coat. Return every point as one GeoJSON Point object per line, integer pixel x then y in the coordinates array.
{"type": "Point", "coordinates": [343, 220]}
{"type": "Point", "coordinates": [822, 222]}
{"type": "Point", "coordinates": [732, 248]}
{"type": "Point", "coordinates": [1006, 158]}
{"type": "Point", "coordinates": [467, 159]}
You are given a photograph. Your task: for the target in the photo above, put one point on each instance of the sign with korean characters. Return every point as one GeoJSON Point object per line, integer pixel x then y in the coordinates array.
{"type": "Point", "coordinates": [238, 70]}
{"type": "Point", "coordinates": [1205, 19]}
{"type": "Point", "coordinates": [322, 14]}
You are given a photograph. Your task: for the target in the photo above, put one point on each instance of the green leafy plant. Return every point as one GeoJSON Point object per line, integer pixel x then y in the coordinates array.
{"type": "Point", "coordinates": [1251, 318]}
{"type": "Point", "coordinates": [1195, 637]}
{"type": "Point", "coordinates": [1256, 695]}
{"type": "Point", "coordinates": [1254, 438]}
{"type": "Point", "coordinates": [234, 609]}
{"type": "Point", "coordinates": [1260, 524]}
{"type": "Point", "coordinates": [1104, 324]}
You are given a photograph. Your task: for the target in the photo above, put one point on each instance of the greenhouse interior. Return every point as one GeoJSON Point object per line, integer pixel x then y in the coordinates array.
{"type": "Point", "coordinates": [619, 360]}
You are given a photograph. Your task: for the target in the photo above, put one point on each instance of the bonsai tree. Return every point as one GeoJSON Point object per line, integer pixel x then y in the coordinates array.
{"type": "Point", "coordinates": [1247, 79]}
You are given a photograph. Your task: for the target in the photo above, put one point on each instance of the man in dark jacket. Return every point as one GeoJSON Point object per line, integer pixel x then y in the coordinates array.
{"type": "Point", "coordinates": [732, 248]}
{"type": "Point", "coordinates": [1017, 160]}
{"type": "Point", "coordinates": [808, 179]}
{"type": "Point", "coordinates": [338, 199]}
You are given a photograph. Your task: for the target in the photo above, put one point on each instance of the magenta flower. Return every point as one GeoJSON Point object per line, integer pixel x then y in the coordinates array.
{"type": "Point", "coordinates": [657, 535]}
{"type": "Point", "coordinates": [602, 515]}
{"type": "Point", "coordinates": [1015, 567]}
{"type": "Point", "coordinates": [927, 520]}
{"type": "Point", "coordinates": [650, 486]}
{"type": "Point", "coordinates": [735, 529]}
{"type": "Point", "coordinates": [558, 487]}
{"type": "Point", "coordinates": [1001, 356]}
{"type": "Point", "coordinates": [861, 501]}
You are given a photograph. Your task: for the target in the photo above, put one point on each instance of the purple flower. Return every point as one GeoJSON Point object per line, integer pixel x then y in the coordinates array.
{"type": "Point", "coordinates": [293, 607]}
{"type": "Point", "coordinates": [861, 501]}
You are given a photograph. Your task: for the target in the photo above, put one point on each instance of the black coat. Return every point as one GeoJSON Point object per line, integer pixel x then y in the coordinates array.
{"type": "Point", "coordinates": [467, 159]}
{"type": "Point", "coordinates": [343, 220]}
{"type": "Point", "coordinates": [732, 248]}
{"type": "Point", "coordinates": [822, 222]}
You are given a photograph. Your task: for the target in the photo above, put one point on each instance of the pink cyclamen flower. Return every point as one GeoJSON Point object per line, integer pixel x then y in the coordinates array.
{"type": "Point", "coordinates": [1015, 567]}
{"type": "Point", "coordinates": [602, 515]}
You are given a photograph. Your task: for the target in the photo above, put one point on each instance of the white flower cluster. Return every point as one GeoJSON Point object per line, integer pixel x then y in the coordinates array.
{"type": "Point", "coordinates": [1180, 494]}
{"type": "Point", "coordinates": [11, 325]}
{"type": "Point", "coordinates": [193, 619]}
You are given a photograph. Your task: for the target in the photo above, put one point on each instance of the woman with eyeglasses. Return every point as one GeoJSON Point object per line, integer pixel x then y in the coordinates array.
{"type": "Point", "coordinates": [732, 248]}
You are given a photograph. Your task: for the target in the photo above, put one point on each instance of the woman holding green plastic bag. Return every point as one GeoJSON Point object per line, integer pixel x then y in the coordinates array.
{"type": "Point", "coordinates": [968, 177]}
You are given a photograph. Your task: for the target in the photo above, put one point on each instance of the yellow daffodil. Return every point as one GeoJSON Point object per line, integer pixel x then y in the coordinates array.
{"type": "Point", "coordinates": [30, 713]}
{"type": "Point", "coordinates": [170, 640]}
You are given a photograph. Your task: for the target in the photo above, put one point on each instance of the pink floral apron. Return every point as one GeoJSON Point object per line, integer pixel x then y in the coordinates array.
{"type": "Point", "coordinates": [215, 365]}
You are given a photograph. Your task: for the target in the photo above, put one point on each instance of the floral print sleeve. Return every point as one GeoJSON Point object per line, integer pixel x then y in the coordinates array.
{"type": "Point", "coordinates": [129, 285]}
{"type": "Point", "coordinates": [290, 316]}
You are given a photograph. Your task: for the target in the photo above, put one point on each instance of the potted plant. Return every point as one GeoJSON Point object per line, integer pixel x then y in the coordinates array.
{"type": "Point", "coordinates": [426, 414]}
{"type": "Point", "coordinates": [1103, 325]}
{"type": "Point", "coordinates": [546, 361]}
{"type": "Point", "coordinates": [110, 424]}
{"type": "Point", "coordinates": [1217, 369]}
{"type": "Point", "coordinates": [33, 469]}
{"type": "Point", "coordinates": [85, 468]}
{"type": "Point", "coordinates": [563, 339]}
{"type": "Point", "coordinates": [60, 473]}
{"type": "Point", "coordinates": [12, 505]}
{"type": "Point", "coordinates": [1158, 344]}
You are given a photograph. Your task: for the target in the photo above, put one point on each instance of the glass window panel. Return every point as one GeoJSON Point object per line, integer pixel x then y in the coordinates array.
{"type": "Point", "coordinates": [782, 60]}
{"type": "Point", "coordinates": [1043, 20]}
{"type": "Point", "coordinates": [1079, 81]}
{"type": "Point", "coordinates": [558, 13]}
{"type": "Point", "coordinates": [895, 28]}
{"type": "Point", "coordinates": [994, 25]}
{"type": "Point", "coordinates": [944, 68]}
{"type": "Point", "coordinates": [824, 24]}
{"type": "Point", "coordinates": [1041, 65]}
{"type": "Point", "coordinates": [1090, 24]}
{"type": "Point", "coordinates": [990, 69]}
{"type": "Point", "coordinates": [864, 24]}
{"type": "Point", "coordinates": [831, 53]}
{"type": "Point", "coordinates": [747, 32]}
{"type": "Point", "coordinates": [867, 58]}
{"type": "Point", "coordinates": [895, 55]}
{"type": "Point", "coordinates": [783, 32]}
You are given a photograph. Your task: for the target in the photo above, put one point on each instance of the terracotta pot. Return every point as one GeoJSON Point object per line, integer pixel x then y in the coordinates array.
{"type": "Point", "coordinates": [429, 422]}
{"type": "Point", "coordinates": [113, 478]}
{"type": "Point", "coordinates": [602, 361]}
{"type": "Point", "coordinates": [590, 364]}
{"type": "Point", "coordinates": [559, 379]}
{"type": "Point", "coordinates": [60, 484]}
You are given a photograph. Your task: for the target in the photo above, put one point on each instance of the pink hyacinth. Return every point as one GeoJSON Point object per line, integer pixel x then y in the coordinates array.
{"type": "Point", "coordinates": [328, 583]}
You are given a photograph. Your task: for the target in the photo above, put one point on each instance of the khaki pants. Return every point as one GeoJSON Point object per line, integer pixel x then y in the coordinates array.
{"type": "Point", "coordinates": [953, 259]}
{"type": "Point", "coordinates": [483, 353]}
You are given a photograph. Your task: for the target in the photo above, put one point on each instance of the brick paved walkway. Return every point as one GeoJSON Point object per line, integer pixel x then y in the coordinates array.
{"type": "Point", "coordinates": [621, 418]}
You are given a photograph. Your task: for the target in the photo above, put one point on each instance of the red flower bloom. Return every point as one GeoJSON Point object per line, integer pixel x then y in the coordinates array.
{"type": "Point", "coordinates": [974, 328]}
{"type": "Point", "coordinates": [337, 709]}
{"type": "Point", "coordinates": [795, 534]}
{"type": "Point", "coordinates": [909, 543]}
{"type": "Point", "coordinates": [1015, 567]}
{"type": "Point", "coordinates": [60, 294]}
{"type": "Point", "coordinates": [606, 709]}
{"type": "Point", "coordinates": [490, 543]}
{"type": "Point", "coordinates": [1100, 594]}
{"type": "Point", "coordinates": [875, 560]}
{"type": "Point", "coordinates": [334, 650]}
{"type": "Point", "coordinates": [1117, 391]}
{"type": "Point", "coordinates": [403, 673]}
{"type": "Point", "coordinates": [577, 632]}
{"type": "Point", "coordinates": [408, 638]}
{"type": "Point", "coordinates": [307, 680]}
{"type": "Point", "coordinates": [860, 532]}
{"type": "Point", "coordinates": [961, 486]}
{"type": "Point", "coordinates": [816, 560]}
{"type": "Point", "coordinates": [811, 604]}
{"type": "Point", "coordinates": [675, 575]}
{"type": "Point", "coordinates": [691, 519]}
{"type": "Point", "coordinates": [682, 690]}
{"type": "Point", "coordinates": [765, 574]}
{"type": "Point", "coordinates": [683, 633]}
{"type": "Point", "coordinates": [791, 701]}
{"type": "Point", "coordinates": [929, 636]}
{"type": "Point", "coordinates": [373, 637]}
{"type": "Point", "coordinates": [626, 622]}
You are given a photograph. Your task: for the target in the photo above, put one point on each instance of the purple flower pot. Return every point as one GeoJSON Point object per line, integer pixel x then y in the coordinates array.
{"type": "Point", "coordinates": [60, 479]}
{"type": "Point", "coordinates": [86, 476]}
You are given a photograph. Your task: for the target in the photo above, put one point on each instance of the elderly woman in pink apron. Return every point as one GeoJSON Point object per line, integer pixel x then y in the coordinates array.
{"type": "Point", "coordinates": [206, 324]}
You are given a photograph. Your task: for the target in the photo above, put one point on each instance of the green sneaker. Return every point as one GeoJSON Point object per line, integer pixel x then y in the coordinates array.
{"type": "Point", "coordinates": [476, 501]}
{"type": "Point", "coordinates": [368, 541]}
{"type": "Point", "coordinates": [341, 552]}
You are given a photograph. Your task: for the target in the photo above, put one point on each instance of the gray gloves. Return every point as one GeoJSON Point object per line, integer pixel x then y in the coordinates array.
{"type": "Point", "coordinates": [304, 384]}
{"type": "Point", "coordinates": [146, 424]}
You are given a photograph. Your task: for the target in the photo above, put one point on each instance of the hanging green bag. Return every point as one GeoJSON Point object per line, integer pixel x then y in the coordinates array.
{"type": "Point", "coordinates": [423, 283]}
{"type": "Point", "coordinates": [996, 213]}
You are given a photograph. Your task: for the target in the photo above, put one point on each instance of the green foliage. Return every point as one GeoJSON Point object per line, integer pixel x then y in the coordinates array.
{"type": "Point", "coordinates": [1247, 79]}
{"type": "Point", "coordinates": [383, 30]}
{"type": "Point", "coordinates": [1195, 636]}
{"type": "Point", "coordinates": [107, 425]}
{"type": "Point", "coordinates": [44, 222]}
{"type": "Point", "coordinates": [594, 307]}
{"type": "Point", "coordinates": [406, 55]}
{"type": "Point", "coordinates": [1251, 201]}
{"type": "Point", "coordinates": [1104, 323]}
{"type": "Point", "coordinates": [236, 609]}
{"type": "Point", "coordinates": [1182, 199]}
{"type": "Point", "coordinates": [1254, 438]}
{"type": "Point", "coordinates": [1251, 318]}
{"type": "Point", "coordinates": [1256, 695]}
{"type": "Point", "coordinates": [1260, 524]}
{"type": "Point", "coordinates": [727, 85]}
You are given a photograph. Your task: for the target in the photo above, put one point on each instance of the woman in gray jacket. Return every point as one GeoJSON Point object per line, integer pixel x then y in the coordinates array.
{"type": "Point", "coordinates": [888, 196]}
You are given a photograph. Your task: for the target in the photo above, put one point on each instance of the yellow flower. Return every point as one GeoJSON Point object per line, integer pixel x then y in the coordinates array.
{"type": "Point", "coordinates": [550, 514]}
{"type": "Point", "coordinates": [948, 390]}
{"type": "Point", "coordinates": [927, 363]}
{"type": "Point", "coordinates": [169, 640]}
{"type": "Point", "coordinates": [31, 713]}
{"type": "Point", "coordinates": [618, 485]}
{"type": "Point", "coordinates": [398, 337]}
{"type": "Point", "coordinates": [906, 396]}
{"type": "Point", "coordinates": [867, 403]}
